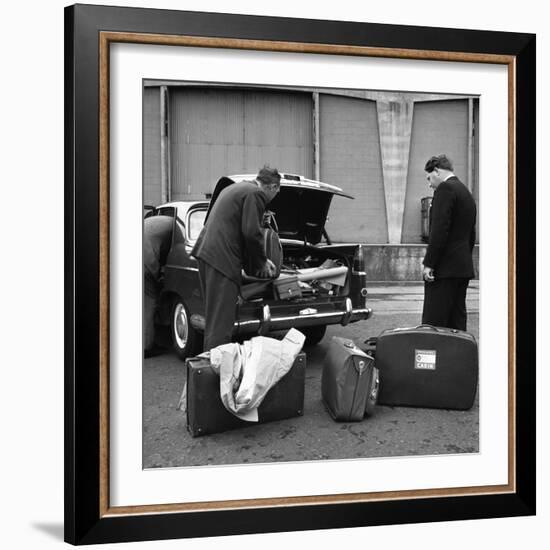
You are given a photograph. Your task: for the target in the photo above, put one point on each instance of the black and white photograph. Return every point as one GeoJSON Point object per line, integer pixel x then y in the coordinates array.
{"type": "Point", "coordinates": [310, 273]}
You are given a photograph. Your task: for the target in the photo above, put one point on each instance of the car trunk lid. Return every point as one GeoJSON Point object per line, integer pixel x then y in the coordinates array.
{"type": "Point", "coordinates": [301, 207]}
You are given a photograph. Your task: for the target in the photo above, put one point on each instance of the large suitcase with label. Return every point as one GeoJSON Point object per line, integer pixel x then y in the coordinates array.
{"type": "Point", "coordinates": [427, 366]}
{"type": "Point", "coordinates": [349, 383]}
{"type": "Point", "coordinates": [207, 415]}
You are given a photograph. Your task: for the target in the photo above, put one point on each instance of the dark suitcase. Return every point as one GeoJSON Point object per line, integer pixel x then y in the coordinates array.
{"type": "Point", "coordinates": [349, 383]}
{"type": "Point", "coordinates": [287, 287]}
{"type": "Point", "coordinates": [207, 415]}
{"type": "Point", "coordinates": [427, 366]}
{"type": "Point", "coordinates": [369, 346]}
{"type": "Point", "coordinates": [272, 246]}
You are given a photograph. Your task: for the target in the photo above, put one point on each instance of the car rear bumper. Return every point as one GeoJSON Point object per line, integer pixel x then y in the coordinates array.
{"type": "Point", "coordinates": [308, 317]}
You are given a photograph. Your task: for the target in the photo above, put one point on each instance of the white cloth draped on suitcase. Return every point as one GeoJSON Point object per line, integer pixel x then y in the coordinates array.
{"type": "Point", "coordinates": [248, 371]}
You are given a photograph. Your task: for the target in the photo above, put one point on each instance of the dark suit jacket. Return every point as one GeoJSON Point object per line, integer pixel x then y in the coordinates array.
{"type": "Point", "coordinates": [157, 238]}
{"type": "Point", "coordinates": [233, 230]}
{"type": "Point", "coordinates": [452, 231]}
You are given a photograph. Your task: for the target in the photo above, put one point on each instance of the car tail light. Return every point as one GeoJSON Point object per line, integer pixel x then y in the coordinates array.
{"type": "Point", "coordinates": [359, 262]}
{"type": "Point", "coordinates": [359, 279]}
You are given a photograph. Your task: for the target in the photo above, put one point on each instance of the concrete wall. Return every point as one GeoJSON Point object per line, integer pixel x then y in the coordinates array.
{"type": "Point", "coordinates": [400, 262]}
{"type": "Point", "coordinates": [372, 144]}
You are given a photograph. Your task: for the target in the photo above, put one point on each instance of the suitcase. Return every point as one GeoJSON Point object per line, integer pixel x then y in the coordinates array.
{"type": "Point", "coordinates": [349, 383]}
{"type": "Point", "coordinates": [207, 415]}
{"type": "Point", "coordinates": [427, 366]}
{"type": "Point", "coordinates": [369, 346]}
{"type": "Point", "coordinates": [272, 246]}
{"type": "Point", "coordinates": [287, 287]}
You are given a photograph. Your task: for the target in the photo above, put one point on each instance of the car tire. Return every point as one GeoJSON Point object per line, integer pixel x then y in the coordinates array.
{"type": "Point", "coordinates": [185, 339]}
{"type": "Point", "coordinates": [313, 334]}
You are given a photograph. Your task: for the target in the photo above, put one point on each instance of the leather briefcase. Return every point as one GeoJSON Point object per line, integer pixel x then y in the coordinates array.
{"type": "Point", "coordinates": [206, 413]}
{"type": "Point", "coordinates": [427, 366]}
{"type": "Point", "coordinates": [287, 287]}
{"type": "Point", "coordinates": [349, 383]}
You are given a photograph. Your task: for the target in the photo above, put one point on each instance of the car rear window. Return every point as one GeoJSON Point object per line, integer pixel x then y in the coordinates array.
{"type": "Point", "coordinates": [196, 223]}
{"type": "Point", "coordinates": [165, 211]}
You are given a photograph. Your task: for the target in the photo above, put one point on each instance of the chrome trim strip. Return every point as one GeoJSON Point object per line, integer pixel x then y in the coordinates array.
{"type": "Point", "coordinates": [303, 320]}
{"type": "Point", "coordinates": [346, 318]}
{"type": "Point", "coordinates": [181, 267]}
{"type": "Point", "coordinates": [266, 320]}
{"type": "Point", "coordinates": [360, 273]}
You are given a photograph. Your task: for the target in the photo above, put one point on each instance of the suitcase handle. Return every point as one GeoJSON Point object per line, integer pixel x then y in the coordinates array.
{"type": "Point", "coordinates": [437, 329]}
{"type": "Point", "coordinates": [431, 327]}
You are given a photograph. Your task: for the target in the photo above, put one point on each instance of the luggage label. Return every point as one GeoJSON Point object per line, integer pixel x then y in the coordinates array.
{"type": "Point", "coordinates": [425, 359]}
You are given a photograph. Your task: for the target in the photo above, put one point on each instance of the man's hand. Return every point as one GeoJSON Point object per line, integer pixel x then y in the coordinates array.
{"type": "Point", "coordinates": [268, 270]}
{"type": "Point", "coordinates": [428, 274]}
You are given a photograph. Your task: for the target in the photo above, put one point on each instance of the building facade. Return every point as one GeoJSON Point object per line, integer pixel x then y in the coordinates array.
{"type": "Point", "coordinates": [372, 144]}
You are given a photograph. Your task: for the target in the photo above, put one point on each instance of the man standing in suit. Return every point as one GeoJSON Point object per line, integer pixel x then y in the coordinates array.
{"type": "Point", "coordinates": [232, 232]}
{"type": "Point", "coordinates": [448, 264]}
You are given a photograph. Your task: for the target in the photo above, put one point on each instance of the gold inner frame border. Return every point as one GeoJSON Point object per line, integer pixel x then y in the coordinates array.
{"type": "Point", "coordinates": [105, 40]}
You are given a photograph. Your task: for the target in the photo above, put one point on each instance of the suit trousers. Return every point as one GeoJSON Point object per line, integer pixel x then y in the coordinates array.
{"type": "Point", "coordinates": [220, 305]}
{"type": "Point", "coordinates": [150, 302]}
{"type": "Point", "coordinates": [445, 303]}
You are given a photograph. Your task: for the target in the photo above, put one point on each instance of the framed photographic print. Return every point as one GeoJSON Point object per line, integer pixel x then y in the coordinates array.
{"type": "Point", "coordinates": [169, 112]}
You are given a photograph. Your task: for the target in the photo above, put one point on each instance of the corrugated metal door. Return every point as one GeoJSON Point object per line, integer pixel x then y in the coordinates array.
{"type": "Point", "coordinates": [216, 132]}
{"type": "Point", "coordinates": [439, 127]}
{"type": "Point", "coordinates": [350, 158]}
{"type": "Point", "coordinates": [151, 146]}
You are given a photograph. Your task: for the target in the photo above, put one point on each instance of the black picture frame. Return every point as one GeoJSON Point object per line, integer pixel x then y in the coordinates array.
{"type": "Point", "coordinates": [87, 516]}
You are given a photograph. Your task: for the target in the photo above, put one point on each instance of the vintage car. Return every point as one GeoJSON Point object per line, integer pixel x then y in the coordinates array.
{"type": "Point", "coordinates": [300, 210]}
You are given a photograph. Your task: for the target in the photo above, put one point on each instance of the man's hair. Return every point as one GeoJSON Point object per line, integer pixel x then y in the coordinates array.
{"type": "Point", "coordinates": [269, 176]}
{"type": "Point", "coordinates": [440, 161]}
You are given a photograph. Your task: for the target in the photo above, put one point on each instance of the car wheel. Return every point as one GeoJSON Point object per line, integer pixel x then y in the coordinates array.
{"type": "Point", "coordinates": [313, 334]}
{"type": "Point", "coordinates": [184, 337]}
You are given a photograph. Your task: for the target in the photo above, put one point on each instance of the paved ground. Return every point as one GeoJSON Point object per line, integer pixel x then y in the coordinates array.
{"type": "Point", "coordinates": [391, 431]}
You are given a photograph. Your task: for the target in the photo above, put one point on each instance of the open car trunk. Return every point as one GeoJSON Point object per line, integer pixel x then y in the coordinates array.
{"type": "Point", "coordinates": [320, 300]}
{"type": "Point", "coordinates": [314, 273]}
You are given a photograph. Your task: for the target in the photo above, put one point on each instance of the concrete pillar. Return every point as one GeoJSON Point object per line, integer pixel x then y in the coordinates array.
{"type": "Point", "coordinates": [316, 138]}
{"type": "Point", "coordinates": [164, 146]}
{"type": "Point", "coordinates": [394, 127]}
{"type": "Point", "coordinates": [470, 179]}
